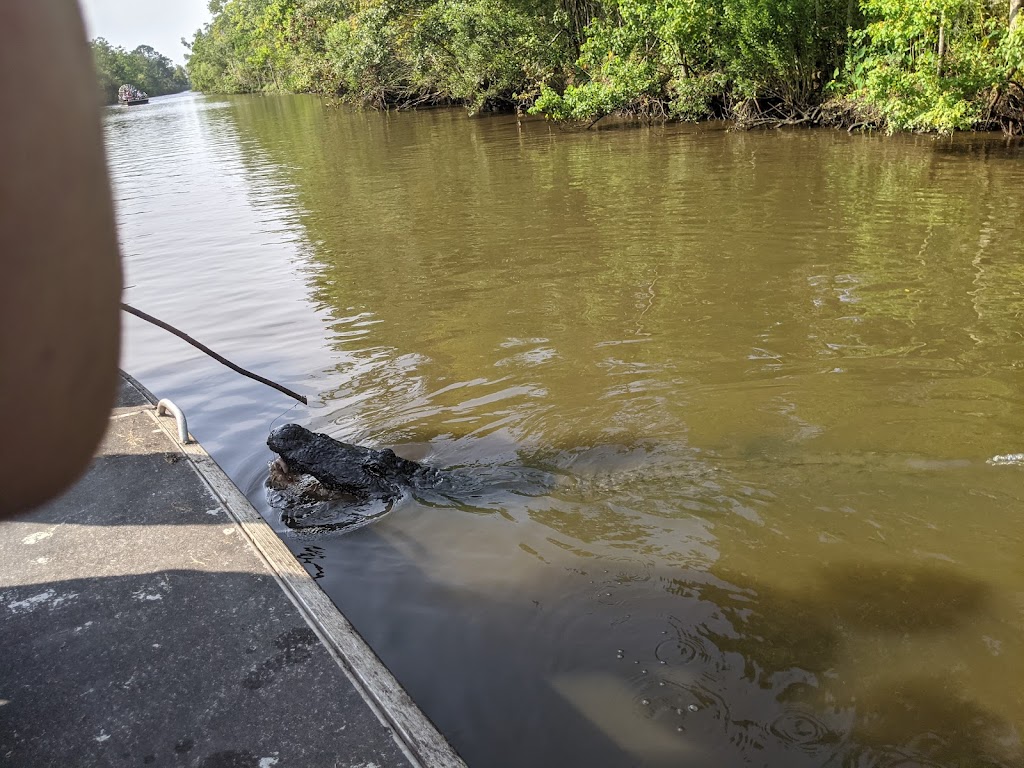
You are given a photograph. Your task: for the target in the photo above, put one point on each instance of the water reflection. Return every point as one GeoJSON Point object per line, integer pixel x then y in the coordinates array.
{"type": "Point", "coordinates": [725, 400]}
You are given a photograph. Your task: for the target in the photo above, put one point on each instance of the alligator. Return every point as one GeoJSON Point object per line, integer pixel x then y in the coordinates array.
{"type": "Point", "coordinates": [312, 470]}
{"type": "Point", "coordinates": [321, 484]}
{"type": "Point", "coordinates": [361, 473]}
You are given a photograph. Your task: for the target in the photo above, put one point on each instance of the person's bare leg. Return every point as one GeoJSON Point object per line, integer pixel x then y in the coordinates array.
{"type": "Point", "coordinates": [60, 283]}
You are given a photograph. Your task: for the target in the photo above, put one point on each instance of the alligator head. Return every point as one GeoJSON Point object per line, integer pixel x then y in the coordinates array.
{"type": "Point", "coordinates": [340, 468]}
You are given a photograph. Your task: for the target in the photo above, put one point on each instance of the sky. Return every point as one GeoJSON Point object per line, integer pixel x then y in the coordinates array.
{"type": "Point", "coordinates": [158, 23]}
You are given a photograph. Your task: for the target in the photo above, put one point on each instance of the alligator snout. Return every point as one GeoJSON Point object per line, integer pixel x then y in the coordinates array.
{"type": "Point", "coordinates": [289, 437]}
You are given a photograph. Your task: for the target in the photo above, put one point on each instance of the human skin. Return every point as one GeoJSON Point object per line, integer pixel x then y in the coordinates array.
{"type": "Point", "coordinates": [60, 283]}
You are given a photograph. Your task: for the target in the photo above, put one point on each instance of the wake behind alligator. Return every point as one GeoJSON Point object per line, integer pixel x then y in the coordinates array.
{"type": "Point", "coordinates": [321, 484]}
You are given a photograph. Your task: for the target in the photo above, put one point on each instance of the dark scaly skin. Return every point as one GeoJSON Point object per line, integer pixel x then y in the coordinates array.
{"type": "Point", "coordinates": [361, 473]}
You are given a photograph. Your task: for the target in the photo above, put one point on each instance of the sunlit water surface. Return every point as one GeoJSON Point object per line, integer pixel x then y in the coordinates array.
{"type": "Point", "coordinates": [729, 398]}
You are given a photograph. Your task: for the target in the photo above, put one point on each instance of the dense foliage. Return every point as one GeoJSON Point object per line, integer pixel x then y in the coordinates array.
{"type": "Point", "coordinates": [899, 64]}
{"type": "Point", "coordinates": [144, 68]}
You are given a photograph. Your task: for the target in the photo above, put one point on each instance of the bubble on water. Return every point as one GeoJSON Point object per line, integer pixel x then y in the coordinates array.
{"type": "Point", "coordinates": [802, 729]}
{"type": "Point", "coordinates": [673, 703]}
{"type": "Point", "coordinates": [687, 647]}
{"type": "Point", "coordinates": [681, 650]}
{"type": "Point", "coordinates": [609, 593]}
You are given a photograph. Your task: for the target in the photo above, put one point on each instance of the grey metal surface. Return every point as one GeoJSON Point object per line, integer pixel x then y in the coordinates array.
{"type": "Point", "coordinates": [139, 627]}
{"type": "Point", "coordinates": [165, 406]}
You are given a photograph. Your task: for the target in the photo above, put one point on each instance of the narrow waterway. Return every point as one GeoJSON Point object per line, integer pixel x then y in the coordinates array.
{"type": "Point", "coordinates": [729, 397]}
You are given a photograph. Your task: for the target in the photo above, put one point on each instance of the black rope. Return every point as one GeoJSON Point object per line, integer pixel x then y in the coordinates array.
{"type": "Point", "coordinates": [203, 348]}
{"type": "Point", "coordinates": [283, 413]}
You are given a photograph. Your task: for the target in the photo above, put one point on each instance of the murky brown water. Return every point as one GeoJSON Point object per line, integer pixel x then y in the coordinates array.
{"type": "Point", "coordinates": [730, 397]}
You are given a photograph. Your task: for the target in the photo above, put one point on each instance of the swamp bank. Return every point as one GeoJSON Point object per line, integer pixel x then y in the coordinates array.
{"type": "Point", "coordinates": [897, 65]}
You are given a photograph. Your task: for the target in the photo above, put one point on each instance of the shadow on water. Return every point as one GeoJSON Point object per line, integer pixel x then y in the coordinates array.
{"type": "Point", "coordinates": [609, 664]}
{"type": "Point", "coordinates": [852, 596]}
{"type": "Point", "coordinates": [943, 725]}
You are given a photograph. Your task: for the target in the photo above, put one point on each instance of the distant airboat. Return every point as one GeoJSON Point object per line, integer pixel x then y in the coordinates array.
{"type": "Point", "coordinates": [129, 95]}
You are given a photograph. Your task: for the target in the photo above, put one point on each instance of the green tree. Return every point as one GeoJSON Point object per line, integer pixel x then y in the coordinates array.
{"type": "Point", "coordinates": [927, 64]}
{"type": "Point", "coordinates": [110, 69]}
{"type": "Point", "coordinates": [903, 64]}
{"type": "Point", "coordinates": [144, 67]}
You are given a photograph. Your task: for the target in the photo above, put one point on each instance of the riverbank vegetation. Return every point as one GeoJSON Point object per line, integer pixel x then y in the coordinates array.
{"type": "Point", "coordinates": [146, 69]}
{"type": "Point", "coordinates": [922, 65]}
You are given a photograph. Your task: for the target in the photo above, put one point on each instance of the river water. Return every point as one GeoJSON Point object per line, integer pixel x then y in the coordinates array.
{"type": "Point", "coordinates": [729, 397]}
